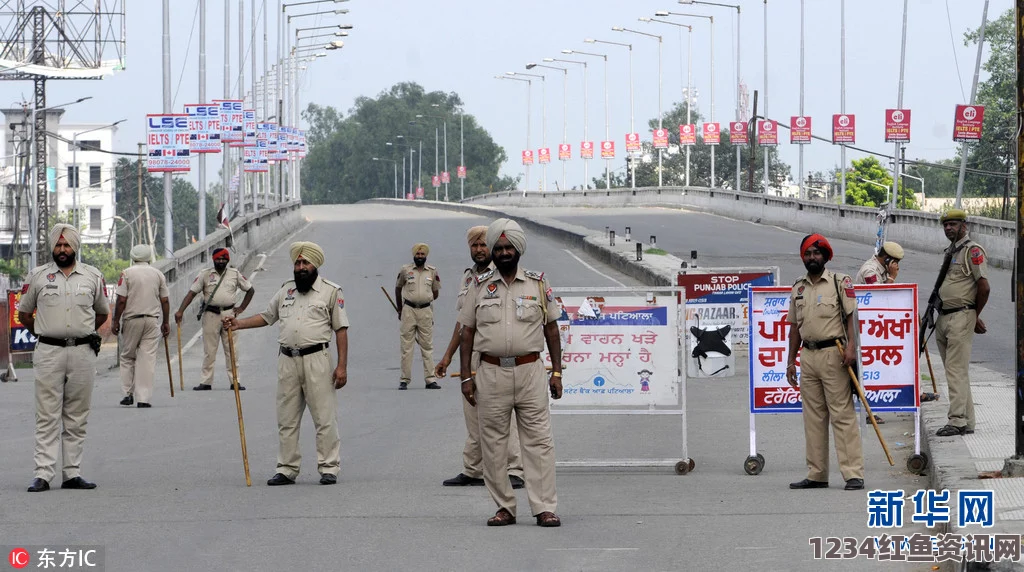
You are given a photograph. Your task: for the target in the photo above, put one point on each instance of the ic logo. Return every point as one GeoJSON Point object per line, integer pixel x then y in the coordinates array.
{"type": "Point", "coordinates": [897, 116]}
{"type": "Point", "coordinates": [606, 144]}
{"type": "Point", "coordinates": [588, 145]}
{"type": "Point", "coordinates": [632, 137]}
{"type": "Point", "coordinates": [18, 558]}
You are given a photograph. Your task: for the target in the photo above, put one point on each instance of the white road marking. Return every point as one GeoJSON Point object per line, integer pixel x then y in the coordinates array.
{"type": "Point", "coordinates": [592, 269]}
{"type": "Point", "coordinates": [589, 549]}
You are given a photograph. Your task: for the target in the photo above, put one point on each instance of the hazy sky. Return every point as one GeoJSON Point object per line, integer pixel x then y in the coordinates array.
{"type": "Point", "coordinates": [460, 45]}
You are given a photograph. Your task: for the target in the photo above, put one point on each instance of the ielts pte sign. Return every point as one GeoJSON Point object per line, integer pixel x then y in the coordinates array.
{"type": "Point", "coordinates": [688, 134]}
{"type": "Point", "coordinates": [799, 130]}
{"type": "Point", "coordinates": [167, 137]}
{"type": "Point", "coordinates": [712, 134]}
{"type": "Point", "coordinates": [660, 137]}
{"type": "Point", "coordinates": [203, 127]}
{"type": "Point", "coordinates": [897, 126]}
{"type": "Point", "coordinates": [564, 152]}
{"type": "Point", "coordinates": [738, 133]}
{"type": "Point", "coordinates": [844, 128]}
{"type": "Point", "coordinates": [767, 133]}
{"type": "Point", "coordinates": [967, 122]}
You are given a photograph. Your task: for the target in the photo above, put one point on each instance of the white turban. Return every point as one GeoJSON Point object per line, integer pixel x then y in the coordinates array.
{"type": "Point", "coordinates": [141, 253]}
{"type": "Point", "coordinates": [511, 230]}
{"type": "Point", "coordinates": [69, 233]}
{"type": "Point", "coordinates": [309, 251]}
{"type": "Point", "coordinates": [476, 233]}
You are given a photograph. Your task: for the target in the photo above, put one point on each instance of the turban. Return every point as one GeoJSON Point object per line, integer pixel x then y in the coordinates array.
{"type": "Point", "coordinates": [511, 230]}
{"type": "Point", "coordinates": [420, 247]}
{"type": "Point", "coordinates": [141, 253]}
{"type": "Point", "coordinates": [954, 214]}
{"type": "Point", "coordinates": [69, 233]}
{"type": "Point", "coordinates": [309, 251]}
{"type": "Point", "coordinates": [818, 241]}
{"type": "Point", "coordinates": [221, 253]}
{"type": "Point", "coordinates": [476, 233]}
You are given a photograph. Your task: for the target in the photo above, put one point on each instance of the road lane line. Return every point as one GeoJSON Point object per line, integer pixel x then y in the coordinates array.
{"type": "Point", "coordinates": [592, 269]}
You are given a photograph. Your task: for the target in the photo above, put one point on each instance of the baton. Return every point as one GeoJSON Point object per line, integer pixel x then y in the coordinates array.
{"type": "Point", "coordinates": [170, 376]}
{"type": "Point", "coordinates": [181, 373]}
{"type": "Point", "coordinates": [393, 305]}
{"type": "Point", "coordinates": [238, 404]}
{"type": "Point", "coordinates": [871, 416]}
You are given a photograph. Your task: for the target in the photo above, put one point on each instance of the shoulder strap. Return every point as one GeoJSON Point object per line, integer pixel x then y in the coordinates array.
{"type": "Point", "coordinates": [543, 302]}
{"type": "Point", "coordinates": [839, 299]}
{"type": "Point", "coordinates": [215, 288]}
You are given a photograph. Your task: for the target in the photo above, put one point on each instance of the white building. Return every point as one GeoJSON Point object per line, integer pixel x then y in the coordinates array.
{"type": "Point", "coordinates": [82, 175]}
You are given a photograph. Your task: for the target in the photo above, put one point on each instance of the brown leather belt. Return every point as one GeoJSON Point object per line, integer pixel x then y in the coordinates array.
{"type": "Point", "coordinates": [510, 361]}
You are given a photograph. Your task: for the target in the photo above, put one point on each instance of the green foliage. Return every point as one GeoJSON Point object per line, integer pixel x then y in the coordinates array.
{"type": "Point", "coordinates": [655, 251]}
{"type": "Point", "coordinates": [12, 270]}
{"type": "Point", "coordinates": [340, 167]}
{"type": "Point", "coordinates": [865, 194]}
{"type": "Point", "coordinates": [937, 182]}
{"type": "Point", "coordinates": [102, 258]}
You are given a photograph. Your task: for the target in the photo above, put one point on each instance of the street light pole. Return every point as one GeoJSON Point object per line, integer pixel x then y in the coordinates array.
{"type": "Point", "coordinates": [586, 121]}
{"type": "Point", "coordinates": [462, 156]}
{"type": "Point", "coordinates": [660, 114]}
{"type": "Point", "coordinates": [631, 107]}
{"type": "Point", "coordinates": [529, 89]}
{"type": "Point", "coordinates": [543, 120]}
{"type": "Point", "coordinates": [607, 162]}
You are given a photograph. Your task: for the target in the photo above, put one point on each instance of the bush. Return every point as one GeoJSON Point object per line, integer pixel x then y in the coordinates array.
{"type": "Point", "coordinates": [103, 259]}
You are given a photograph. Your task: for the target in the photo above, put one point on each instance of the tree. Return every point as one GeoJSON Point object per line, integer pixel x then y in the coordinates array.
{"type": "Point", "coordinates": [861, 193]}
{"type": "Point", "coordinates": [340, 166]}
{"type": "Point", "coordinates": [938, 182]}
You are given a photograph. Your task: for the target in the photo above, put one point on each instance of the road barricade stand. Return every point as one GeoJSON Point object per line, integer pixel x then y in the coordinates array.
{"type": "Point", "coordinates": [621, 351]}
{"type": "Point", "coordinates": [889, 367]}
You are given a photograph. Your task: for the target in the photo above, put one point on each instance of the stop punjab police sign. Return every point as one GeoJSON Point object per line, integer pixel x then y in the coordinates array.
{"type": "Point", "coordinates": [544, 155]}
{"type": "Point", "coordinates": [564, 152]}
{"type": "Point", "coordinates": [897, 126]}
{"type": "Point", "coordinates": [528, 157]}
{"type": "Point", "coordinates": [967, 122]}
{"type": "Point", "coordinates": [844, 128]}
{"type": "Point", "coordinates": [607, 149]}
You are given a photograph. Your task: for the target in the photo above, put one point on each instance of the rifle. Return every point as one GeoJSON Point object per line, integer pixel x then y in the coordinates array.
{"type": "Point", "coordinates": [934, 302]}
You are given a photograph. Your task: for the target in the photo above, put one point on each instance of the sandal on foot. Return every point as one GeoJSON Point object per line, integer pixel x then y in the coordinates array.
{"type": "Point", "coordinates": [950, 430]}
{"type": "Point", "coordinates": [548, 519]}
{"type": "Point", "coordinates": [501, 518]}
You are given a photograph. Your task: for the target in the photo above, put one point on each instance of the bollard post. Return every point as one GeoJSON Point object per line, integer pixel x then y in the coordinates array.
{"type": "Point", "coordinates": [639, 251]}
{"type": "Point", "coordinates": [606, 232]}
{"type": "Point", "coordinates": [693, 259]}
{"type": "Point", "coordinates": [627, 234]}
{"type": "Point", "coordinates": [654, 241]}
{"type": "Point", "coordinates": [611, 238]}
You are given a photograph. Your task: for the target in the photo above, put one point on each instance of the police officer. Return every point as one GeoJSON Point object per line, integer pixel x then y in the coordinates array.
{"type": "Point", "coordinates": [70, 305]}
{"type": "Point", "coordinates": [141, 301]}
{"type": "Point", "coordinates": [508, 315]}
{"type": "Point", "coordinates": [883, 268]}
{"type": "Point", "coordinates": [964, 293]}
{"type": "Point", "coordinates": [312, 311]}
{"type": "Point", "coordinates": [416, 289]}
{"type": "Point", "coordinates": [821, 306]}
{"type": "Point", "coordinates": [472, 473]}
{"type": "Point", "coordinates": [218, 288]}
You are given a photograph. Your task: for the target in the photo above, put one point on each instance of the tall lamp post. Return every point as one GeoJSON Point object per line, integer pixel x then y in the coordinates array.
{"type": "Point", "coordinates": [444, 119]}
{"type": "Point", "coordinates": [607, 120]}
{"type": "Point", "coordinates": [689, 76]}
{"type": "Point", "coordinates": [529, 88]}
{"type": "Point", "coordinates": [395, 163]}
{"type": "Point", "coordinates": [660, 117]}
{"type": "Point", "coordinates": [543, 118]}
{"type": "Point", "coordinates": [78, 174]}
{"type": "Point", "coordinates": [586, 128]}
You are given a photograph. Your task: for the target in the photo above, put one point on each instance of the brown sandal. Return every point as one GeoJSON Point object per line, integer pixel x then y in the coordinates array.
{"type": "Point", "coordinates": [502, 518]}
{"type": "Point", "coordinates": [548, 519]}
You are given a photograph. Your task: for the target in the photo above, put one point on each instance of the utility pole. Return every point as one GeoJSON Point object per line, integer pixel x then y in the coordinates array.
{"type": "Point", "coordinates": [168, 184]}
{"type": "Point", "coordinates": [1014, 467]}
{"type": "Point", "coordinates": [974, 90]}
{"type": "Point", "coordinates": [202, 100]}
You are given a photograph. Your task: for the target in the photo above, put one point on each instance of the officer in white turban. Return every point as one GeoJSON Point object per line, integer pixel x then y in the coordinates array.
{"type": "Point", "coordinates": [140, 316]}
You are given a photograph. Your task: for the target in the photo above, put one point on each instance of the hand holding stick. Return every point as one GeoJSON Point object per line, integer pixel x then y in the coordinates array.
{"type": "Point", "coordinates": [238, 404]}
{"type": "Point", "coordinates": [864, 400]}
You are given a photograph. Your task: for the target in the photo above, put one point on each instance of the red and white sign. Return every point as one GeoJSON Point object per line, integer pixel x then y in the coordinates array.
{"type": "Point", "coordinates": [799, 130]}
{"type": "Point", "coordinates": [688, 134]}
{"type": "Point", "coordinates": [528, 157]}
{"type": "Point", "coordinates": [632, 142]}
{"type": "Point", "coordinates": [738, 133]}
{"type": "Point", "coordinates": [897, 126]}
{"type": "Point", "coordinates": [460, 171]}
{"type": "Point", "coordinates": [409, 196]}
{"type": "Point", "coordinates": [844, 128]}
{"type": "Point", "coordinates": [607, 149]}
{"type": "Point", "coordinates": [544, 155]}
{"type": "Point", "coordinates": [19, 558]}
{"type": "Point", "coordinates": [419, 192]}
{"type": "Point", "coordinates": [564, 152]}
{"type": "Point", "coordinates": [967, 122]}
{"type": "Point", "coordinates": [660, 138]}
{"type": "Point", "coordinates": [435, 181]}
{"type": "Point", "coordinates": [446, 177]}
{"type": "Point", "coordinates": [767, 132]}
{"type": "Point", "coordinates": [712, 133]}
{"type": "Point", "coordinates": [587, 150]}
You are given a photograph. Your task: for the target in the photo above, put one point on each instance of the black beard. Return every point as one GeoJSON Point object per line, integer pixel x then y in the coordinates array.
{"type": "Point", "coordinates": [508, 265]}
{"type": "Point", "coordinates": [419, 261]}
{"type": "Point", "coordinates": [64, 260]}
{"type": "Point", "coordinates": [813, 267]}
{"type": "Point", "coordinates": [220, 266]}
{"type": "Point", "coordinates": [304, 279]}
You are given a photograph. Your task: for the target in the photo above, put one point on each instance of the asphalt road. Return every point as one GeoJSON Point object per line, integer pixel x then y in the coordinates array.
{"type": "Point", "coordinates": [172, 495]}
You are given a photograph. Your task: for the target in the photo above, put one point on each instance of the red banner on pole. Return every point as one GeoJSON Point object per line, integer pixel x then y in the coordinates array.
{"type": "Point", "coordinates": [967, 122]}
{"type": "Point", "coordinates": [660, 137]}
{"type": "Point", "coordinates": [543, 155]}
{"type": "Point", "coordinates": [587, 150]}
{"type": "Point", "coordinates": [435, 181]}
{"type": "Point", "coordinates": [607, 149]}
{"type": "Point", "coordinates": [446, 177]}
{"type": "Point", "coordinates": [799, 130]}
{"type": "Point", "coordinates": [632, 142]}
{"type": "Point", "coordinates": [409, 196]}
{"type": "Point", "coordinates": [419, 192]}
{"type": "Point", "coordinates": [688, 134]}
{"type": "Point", "coordinates": [738, 133]}
{"type": "Point", "coordinates": [767, 132]}
{"type": "Point", "coordinates": [564, 152]}
{"type": "Point", "coordinates": [844, 128]}
{"type": "Point", "coordinates": [528, 157]}
{"type": "Point", "coordinates": [460, 171]}
{"type": "Point", "coordinates": [897, 126]}
{"type": "Point", "coordinates": [712, 133]}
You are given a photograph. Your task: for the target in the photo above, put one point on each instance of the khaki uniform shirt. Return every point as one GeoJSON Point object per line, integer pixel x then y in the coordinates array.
{"type": "Point", "coordinates": [418, 284]}
{"type": "Point", "coordinates": [66, 307]}
{"type": "Point", "coordinates": [509, 319]}
{"type": "Point", "coordinates": [872, 272]}
{"type": "Point", "coordinates": [467, 285]}
{"type": "Point", "coordinates": [142, 286]}
{"type": "Point", "coordinates": [307, 319]}
{"type": "Point", "coordinates": [227, 293]}
{"type": "Point", "coordinates": [969, 265]}
{"type": "Point", "coordinates": [814, 307]}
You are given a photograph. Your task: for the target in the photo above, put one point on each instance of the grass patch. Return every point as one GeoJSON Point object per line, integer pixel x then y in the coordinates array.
{"type": "Point", "coordinates": [655, 251]}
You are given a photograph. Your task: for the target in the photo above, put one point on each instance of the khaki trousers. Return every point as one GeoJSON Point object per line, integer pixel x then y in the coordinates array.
{"type": "Point", "coordinates": [417, 326]}
{"type": "Point", "coordinates": [214, 335]}
{"type": "Point", "coordinates": [472, 457]}
{"type": "Point", "coordinates": [139, 340]}
{"type": "Point", "coordinates": [301, 382]}
{"type": "Point", "coordinates": [64, 379]}
{"type": "Point", "coordinates": [954, 334]}
{"type": "Point", "coordinates": [825, 391]}
{"type": "Point", "coordinates": [524, 390]}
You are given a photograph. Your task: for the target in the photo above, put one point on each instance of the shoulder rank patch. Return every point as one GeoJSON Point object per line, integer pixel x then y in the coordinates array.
{"type": "Point", "coordinates": [481, 278]}
{"type": "Point", "coordinates": [331, 284]}
{"type": "Point", "coordinates": [977, 255]}
{"type": "Point", "coordinates": [800, 290]}
{"type": "Point", "coordinates": [341, 302]}
{"type": "Point", "coordinates": [534, 274]}
{"type": "Point", "coordinates": [848, 287]}
{"type": "Point", "coordinates": [24, 288]}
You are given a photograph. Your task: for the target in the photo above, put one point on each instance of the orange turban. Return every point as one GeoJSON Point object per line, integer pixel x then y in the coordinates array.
{"type": "Point", "coordinates": [818, 241]}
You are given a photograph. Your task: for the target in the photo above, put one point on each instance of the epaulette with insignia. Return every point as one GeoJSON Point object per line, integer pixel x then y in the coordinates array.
{"type": "Point", "coordinates": [331, 284]}
{"type": "Point", "coordinates": [480, 278]}
{"type": "Point", "coordinates": [534, 274]}
{"type": "Point", "coordinates": [286, 283]}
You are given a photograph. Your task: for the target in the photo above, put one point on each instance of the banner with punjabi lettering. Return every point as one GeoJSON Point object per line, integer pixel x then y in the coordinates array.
{"type": "Point", "coordinates": [21, 339]}
{"type": "Point", "coordinates": [619, 351]}
{"type": "Point", "coordinates": [888, 336]}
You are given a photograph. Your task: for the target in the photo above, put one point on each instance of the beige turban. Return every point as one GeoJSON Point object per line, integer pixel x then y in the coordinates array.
{"type": "Point", "coordinates": [476, 233]}
{"type": "Point", "coordinates": [69, 233]}
{"type": "Point", "coordinates": [141, 253]}
{"type": "Point", "coordinates": [309, 251]}
{"type": "Point", "coordinates": [511, 230]}
{"type": "Point", "coordinates": [421, 247]}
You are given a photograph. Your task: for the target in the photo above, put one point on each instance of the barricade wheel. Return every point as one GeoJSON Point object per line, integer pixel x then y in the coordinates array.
{"type": "Point", "coordinates": [760, 457]}
{"type": "Point", "coordinates": [917, 463]}
{"type": "Point", "coordinates": [684, 466]}
{"type": "Point", "coordinates": [753, 465]}
{"type": "Point", "coordinates": [693, 465]}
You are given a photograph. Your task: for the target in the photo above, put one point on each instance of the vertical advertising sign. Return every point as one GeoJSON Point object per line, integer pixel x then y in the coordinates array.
{"type": "Point", "coordinates": [544, 155]}
{"type": "Point", "coordinates": [435, 181]}
{"type": "Point", "coordinates": [738, 133]}
{"type": "Point", "coordinates": [844, 128]}
{"type": "Point", "coordinates": [967, 122]}
{"type": "Point", "coordinates": [712, 134]}
{"type": "Point", "coordinates": [302, 143]}
{"type": "Point", "coordinates": [460, 171]}
{"type": "Point", "coordinates": [688, 134]}
{"type": "Point", "coordinates": [587, 149]}
{"type": "Point", "coordinates": [607, 149]}
{"type": "Point", "coordinates": [249, 127]}
{"type": "Point", "coordinates": [168, 142]}
{"type": "Point", "coordinates": [660, 137]}
{"type": "Point", "coordinates": [564, 152]}
{"type": "Point", "coordinates": [203, 127]}
{"type": "Point", "coordinates": [767, 133]}
{"type": "Point", "coordinates": [232, 120]}
{"type": "Point", "coordinates": [799, 130]}
{"type": "Point", "coordinates": [21, 339]}
{"type": "Point", "coordinates": [419, 192]}
{"type": "Point", "coordinates": [446, 177]}
{"type": "Point", "coordinates": [528, 157]}
{"type": "Point", "coordinates": [897, 126]}
{"type": "Point", "coordinates": [632, 142]}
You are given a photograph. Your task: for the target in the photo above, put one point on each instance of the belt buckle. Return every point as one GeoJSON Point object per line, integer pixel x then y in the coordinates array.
{"type": "Point", "coordinates": [70, 342]}
{"type": "Point", "coordinates": [294, 352]}
{"type": "Point", "coordinates": [812, 345]}
{"type": "Point", "coordinates": [507, 361]}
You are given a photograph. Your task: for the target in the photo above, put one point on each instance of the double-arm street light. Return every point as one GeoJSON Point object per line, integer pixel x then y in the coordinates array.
{"type": "Point", "coordinates": [607, 134]}
{"type": "Point", "coordinates": [565, 108]}
{"type": "Point", "coordinates": [659, 38]}
{"type": "Point", "coordinates": [688, 90]}
{"type": "Point", "coordinates": [543, 118]}
{"type": "Point", "coordinates": [395, 163]}
{"type": "Point", "coordinates": [529, 89]}
{"type": "Point", "coordinates": [444, 122]}
{"type": "Point", "coordinates": [586, 131]}
{"type": "Point", "coordinates": [394, 146]}
{"type": "Point", "coordinates": [631, 126]}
